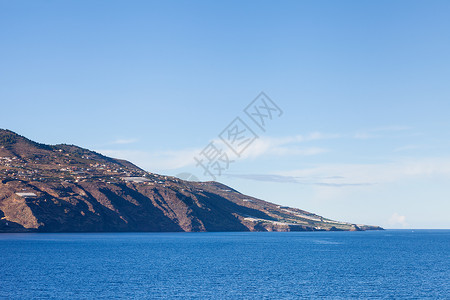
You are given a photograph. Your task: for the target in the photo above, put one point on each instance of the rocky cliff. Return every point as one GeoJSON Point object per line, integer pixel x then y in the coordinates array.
{"type": "Point", "coordinates": [65, 188]}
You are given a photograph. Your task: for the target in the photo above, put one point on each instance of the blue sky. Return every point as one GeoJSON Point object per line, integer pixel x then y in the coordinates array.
{"type": "Point", "coordinates": [363, 85]}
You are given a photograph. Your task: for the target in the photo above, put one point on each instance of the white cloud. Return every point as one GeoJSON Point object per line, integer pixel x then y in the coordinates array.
{"type": "Point", "coordinates": [151, 161]}
{"type": "Point", "coordinates": [397, 220]}
{"type": "Point", "coordinates": [363, 136]}
{"type": "Point", "coordinates": [379, 132]}
{"type": "Point", "coordinates": [407, 148]}
{"type": "Point", "coordinates": [169, 160]}
{"type": "Point", "coordinates": [369, 174]}
{"type": "Point", "coordinates": [281, 146]}
{"type": "Point", "coordinates": [124, 141]}
{"type": "Point", "coordinates": [287, 146]}
{"type": "Point", "coordinates": [318, 181]}
{"type": "Point", "coordinates": [391, 128]}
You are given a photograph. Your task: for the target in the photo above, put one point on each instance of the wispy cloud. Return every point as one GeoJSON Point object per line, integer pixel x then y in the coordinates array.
{"type": "Point", "coordinates": [265, 146]}
{"type": "Point", "coordinates": [295, 144]}
{"type": "Point", "coordinates": [161, 160]}
{"type": "Point", "coordinates": [124, 141]}
{"type": "Point", "coordinates": [282, 146]}
{"type": "Point", "coordinates": [397, 220]}
{"type": "Point", "coordinates": [175, 159]}
{"type": "Point", "coordinates": [390, 128]}
{"type": "Point", "coordinates": [379, 132]}
{"type": "Point", "coordinates": [407, 148]}
{"type": "Point", "coordinates": [356, 175]}
{"type": "Point", "coordinates": [265, 177]}
{"type": "Point", "coordinates": [369, 174]}
{"type": "Point", "coordinates": [318, 181]}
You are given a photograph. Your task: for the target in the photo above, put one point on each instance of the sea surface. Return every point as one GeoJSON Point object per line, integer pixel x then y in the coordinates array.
{"type": "Point", "coordinates": [406, 264]}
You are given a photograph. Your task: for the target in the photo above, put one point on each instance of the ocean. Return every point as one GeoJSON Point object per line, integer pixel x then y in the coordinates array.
{"type": "Point", "coordinates": [406, 264]}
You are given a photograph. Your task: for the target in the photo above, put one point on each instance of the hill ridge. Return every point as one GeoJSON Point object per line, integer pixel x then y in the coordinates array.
{"type": "Point", "coordinates": [66, 188]}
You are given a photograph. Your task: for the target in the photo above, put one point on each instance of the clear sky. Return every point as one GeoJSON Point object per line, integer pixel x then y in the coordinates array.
{"type": "Point", "coordinates": [363, 86]}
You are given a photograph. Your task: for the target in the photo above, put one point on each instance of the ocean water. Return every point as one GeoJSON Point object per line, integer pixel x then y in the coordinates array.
{"type": "Point", "coordinates": [335, 265]}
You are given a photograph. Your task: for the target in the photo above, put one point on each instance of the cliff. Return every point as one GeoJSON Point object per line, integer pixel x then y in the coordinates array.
{"type": "Point", "coordinates": [65, 188]}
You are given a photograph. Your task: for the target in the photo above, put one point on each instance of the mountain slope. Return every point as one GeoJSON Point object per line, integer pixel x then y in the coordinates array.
{"type": "Point", "coordinates": [65, 188]}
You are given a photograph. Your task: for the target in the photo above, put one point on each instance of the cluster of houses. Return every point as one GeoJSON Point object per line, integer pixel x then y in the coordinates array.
{"type": "Point", "coordinates": [15, 168]}
{"type": "Point", "coordinates": [8, 161]}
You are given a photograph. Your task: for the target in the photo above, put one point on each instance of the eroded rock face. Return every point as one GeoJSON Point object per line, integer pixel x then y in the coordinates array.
{"type": "Point", "coordinates": [65, 188]}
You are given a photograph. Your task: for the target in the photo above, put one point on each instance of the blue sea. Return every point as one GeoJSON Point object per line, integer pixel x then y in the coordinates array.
{"type": "Point", "coordinates": [406, 264]}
